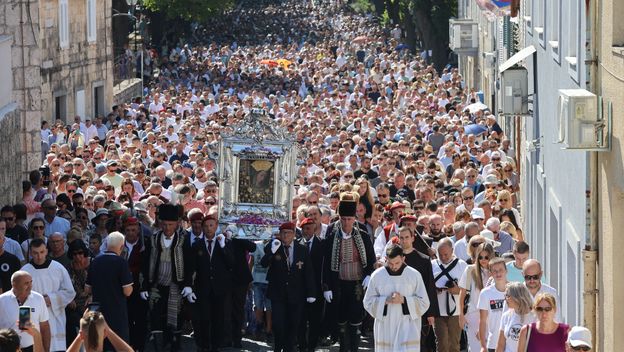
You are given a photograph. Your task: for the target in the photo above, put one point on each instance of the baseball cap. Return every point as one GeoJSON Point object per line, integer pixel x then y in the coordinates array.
{"type": "Point", "coordinates": [580, 336]}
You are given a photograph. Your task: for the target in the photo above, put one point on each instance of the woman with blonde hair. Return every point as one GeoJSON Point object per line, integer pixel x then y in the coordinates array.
{"type": "Point", "coordinates": [470, 285]}
{"type": "Point", "coordinates": [511, 229]}
{"type": "Point", "coordinates": [518, 299]}
{"type": "Point", "coordinates": [366, 196]}
{"type": "Point", "coordinates": [93, 331]}
{"type": "Point", "coordinates": [546, 334]}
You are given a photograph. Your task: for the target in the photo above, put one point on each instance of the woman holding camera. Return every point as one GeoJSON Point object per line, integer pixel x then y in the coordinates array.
{"type": "Point", "coordinates": [93, 331]}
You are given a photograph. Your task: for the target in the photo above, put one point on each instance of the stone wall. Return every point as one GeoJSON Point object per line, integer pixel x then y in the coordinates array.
{"type": "Point", "coordinates": [126, 90]}
{"type": "Point", "coordinates": [20, 119]}
{"type": "Point", "coordinates": [83, 65]}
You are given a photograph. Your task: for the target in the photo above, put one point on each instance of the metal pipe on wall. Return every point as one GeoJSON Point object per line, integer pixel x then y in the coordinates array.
{"type": "Point", "coordinates": [590, 252]}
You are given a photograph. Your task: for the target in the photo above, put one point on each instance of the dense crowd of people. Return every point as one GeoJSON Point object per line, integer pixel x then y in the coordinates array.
{"type": "Point", "coordinates": [404, 225]}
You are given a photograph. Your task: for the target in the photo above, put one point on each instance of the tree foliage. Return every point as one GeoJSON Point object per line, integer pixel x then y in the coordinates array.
{"type": "Point", "coordinates": [190, 10]}
{"type": "Point", "coordinates": [425, 22]}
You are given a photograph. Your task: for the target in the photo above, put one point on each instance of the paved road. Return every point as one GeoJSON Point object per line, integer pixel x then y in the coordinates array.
{"type": "Point", "coordinates": [251, 346]}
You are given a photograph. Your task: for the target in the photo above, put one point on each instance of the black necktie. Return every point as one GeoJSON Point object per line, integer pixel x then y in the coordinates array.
{"type": "Point", "coordinates": [310, 246]}
{"type": "Point", "coordinates": [209, 247]}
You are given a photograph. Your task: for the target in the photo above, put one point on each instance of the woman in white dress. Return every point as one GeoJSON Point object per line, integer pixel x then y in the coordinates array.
{"type": "Point", "coordinates": [471, 283]}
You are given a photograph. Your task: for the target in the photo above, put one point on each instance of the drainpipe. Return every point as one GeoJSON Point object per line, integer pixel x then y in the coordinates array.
{"type": "Point", "coordinates": [590, 252]}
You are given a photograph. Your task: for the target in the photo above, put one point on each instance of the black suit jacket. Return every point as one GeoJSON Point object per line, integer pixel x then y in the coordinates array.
{"type": "Point", "coordinates": [212, 273]}
{"type": "Point", "coordinates": [241, 273]}
{"type": "Point", "coordinates": [289, 284]}
{"type": "Point", "coordinates": [330, 278]}
{"type": "Point", "coordinates": [316, 258]}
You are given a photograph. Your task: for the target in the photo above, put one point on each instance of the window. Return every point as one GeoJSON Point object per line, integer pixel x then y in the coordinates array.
{"type": "Point", "coordinates": [554, 28]}
{"type": "Point", "coordinates": [528, 15]}
{"type": "Point", "coordinates": [91, 21]}
{"type": "Point", "coordinates": [618, 24]}
{"type": "Point", "coordinates": [80, 104]}
{"type": "Point", "coordinates": [573, 38]}
{"type": "Point", "coordinates": [60, 107]}
{"type": "Point", "coordinates": [63, 24]}
{"type": "Point", "coordinates": [6, 73]}
{"type": "Point", "coordinates": [98, 101]}
{"type": "Point", "coordinates": [539, 9]}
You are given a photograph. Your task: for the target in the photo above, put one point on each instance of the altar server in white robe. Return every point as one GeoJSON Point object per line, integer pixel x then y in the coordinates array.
{"type": "Point", "coordinates": [397, 298]}
{"type": "Point", "coordinates": [50, 279]}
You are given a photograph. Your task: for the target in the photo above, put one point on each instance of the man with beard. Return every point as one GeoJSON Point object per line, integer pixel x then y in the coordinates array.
{"type": "Point", "coordinates": [348, 261]}
{"type": "Point", "coordinates": [365, 169]}
{"type": "Point", "coordinates": [435, 230]}
{"type": "Point", "coordinates": [397, 298]}
{"type": "Point", "coordinates": [422, 264]}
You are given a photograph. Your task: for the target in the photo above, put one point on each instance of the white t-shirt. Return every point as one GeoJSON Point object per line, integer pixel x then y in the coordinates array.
{"type": "Point", "coordinates": [464, 282]}
{"type": "Point", "coordinates": [510, 325]}
{"type": "Point", "coordinates": [9, 314]}
{"type": "Point", "coordinates": [493, 301]}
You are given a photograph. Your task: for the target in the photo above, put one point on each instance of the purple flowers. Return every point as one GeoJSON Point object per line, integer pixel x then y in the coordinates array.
{"type": "Point", "coordinates": [254, 219]}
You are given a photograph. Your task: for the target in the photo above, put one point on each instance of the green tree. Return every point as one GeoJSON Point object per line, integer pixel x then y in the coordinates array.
{"type": "Point", "coordinates": [425, 23]}
{"type": "Point", "coordinates": [191, 10]}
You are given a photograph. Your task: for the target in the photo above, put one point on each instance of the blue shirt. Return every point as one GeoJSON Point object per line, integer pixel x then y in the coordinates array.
{"type": "Point", "coordinates": [57, 225]}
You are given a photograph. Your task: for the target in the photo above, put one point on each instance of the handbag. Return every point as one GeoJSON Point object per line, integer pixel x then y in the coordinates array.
{"type": "Point", "coordinates": [526, 346]}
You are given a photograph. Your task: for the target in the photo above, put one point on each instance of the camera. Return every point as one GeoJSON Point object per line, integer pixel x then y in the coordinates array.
{"type": "Point", "coordinates": [45, 173]}
{"type": "Point", "coordinates": [450, 283]}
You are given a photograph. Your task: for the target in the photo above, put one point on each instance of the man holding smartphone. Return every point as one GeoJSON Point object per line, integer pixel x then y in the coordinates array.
{"type": "Point", "coordinates": [22, 295]}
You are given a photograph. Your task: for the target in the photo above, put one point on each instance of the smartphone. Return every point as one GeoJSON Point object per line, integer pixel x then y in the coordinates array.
{"type": "Point", "coordinates": [94, 306]}
{"type": "Point", "coordinates": [24, 316]}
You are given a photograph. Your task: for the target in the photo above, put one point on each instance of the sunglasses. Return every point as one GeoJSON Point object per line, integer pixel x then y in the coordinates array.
{"type": "Point", "coordinates": [543, 309]}
{"type": "Point", "coordinates": [580, 348]}
{"type": "Point", "coordinates": [468, 198]}
{"type": "Point", "coordinates": [476, 244]}
{"type": "Point", "coordinates": [210, 203]}
{"type": "Point", "coordinates": [38, 227]}
{"type": "Point", "coordinates": [484, 258]}
{"type": "Point", "coordinates": [532, 277]}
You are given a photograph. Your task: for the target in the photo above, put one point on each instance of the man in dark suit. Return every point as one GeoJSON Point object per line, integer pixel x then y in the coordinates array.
{"type": "Point", "coordinates": [291, 285]}
{"type": "Point", "coordinates": [135, 252]}
{"type": "Point", "coordinates": [348, 262]}
{"type": "Point", "coordinates": [313, 312]}
{"type": "Point", "coordinates": [241, 275]}
{"type": "Point", "coordinates": [211, 262]}
{"type": "Point", "coordinates": [195, 234]}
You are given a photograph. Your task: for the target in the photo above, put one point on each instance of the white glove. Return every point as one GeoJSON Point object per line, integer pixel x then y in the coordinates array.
{"type": "Point", "coordinates": [311, 299]}
{"type": "Point", "coordinates": [191, 298]}
{"type": "Point", "coordinates": [221, 240]}
{"type": "Point", "coordinates": [144, 295]}
{"type": "Point", "coordinates": [186, 291]}
{"type": "Point", "coordinates": [275, 245]}
{"type": "Point", "coordinates": [365, 282]}
{"type": "Point", "coordinates": [328, 296]}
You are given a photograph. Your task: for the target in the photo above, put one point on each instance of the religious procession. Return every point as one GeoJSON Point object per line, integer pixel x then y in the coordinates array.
{"type": "Point", "coordinates": [294, 182]}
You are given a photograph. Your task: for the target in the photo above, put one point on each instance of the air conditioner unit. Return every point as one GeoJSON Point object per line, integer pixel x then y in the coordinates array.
{"type": "Point", "coordinates": [515, 91]}
{"type": "Point", "coordinates": [579, 121]}
{"type": "Point", "coordinates": [463, 36]}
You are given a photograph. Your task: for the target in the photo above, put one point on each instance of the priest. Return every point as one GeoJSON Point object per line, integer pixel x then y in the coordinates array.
{"type": "Point", "coordinates": [51, 280]}
{"type": "Point", "coordinates": [397, 298]}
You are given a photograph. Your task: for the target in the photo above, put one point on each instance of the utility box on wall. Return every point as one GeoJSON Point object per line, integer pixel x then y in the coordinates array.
{"type": "Point", "coordinates": [464, 36]}
{"type": "Point", "coordinates": [515, 91]}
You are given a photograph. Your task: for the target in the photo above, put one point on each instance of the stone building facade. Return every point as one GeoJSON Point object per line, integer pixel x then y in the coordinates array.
{"type": "Point", "coordinates": [20, 95]}
{"type": "Point", "coordinates": [76, 58]}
